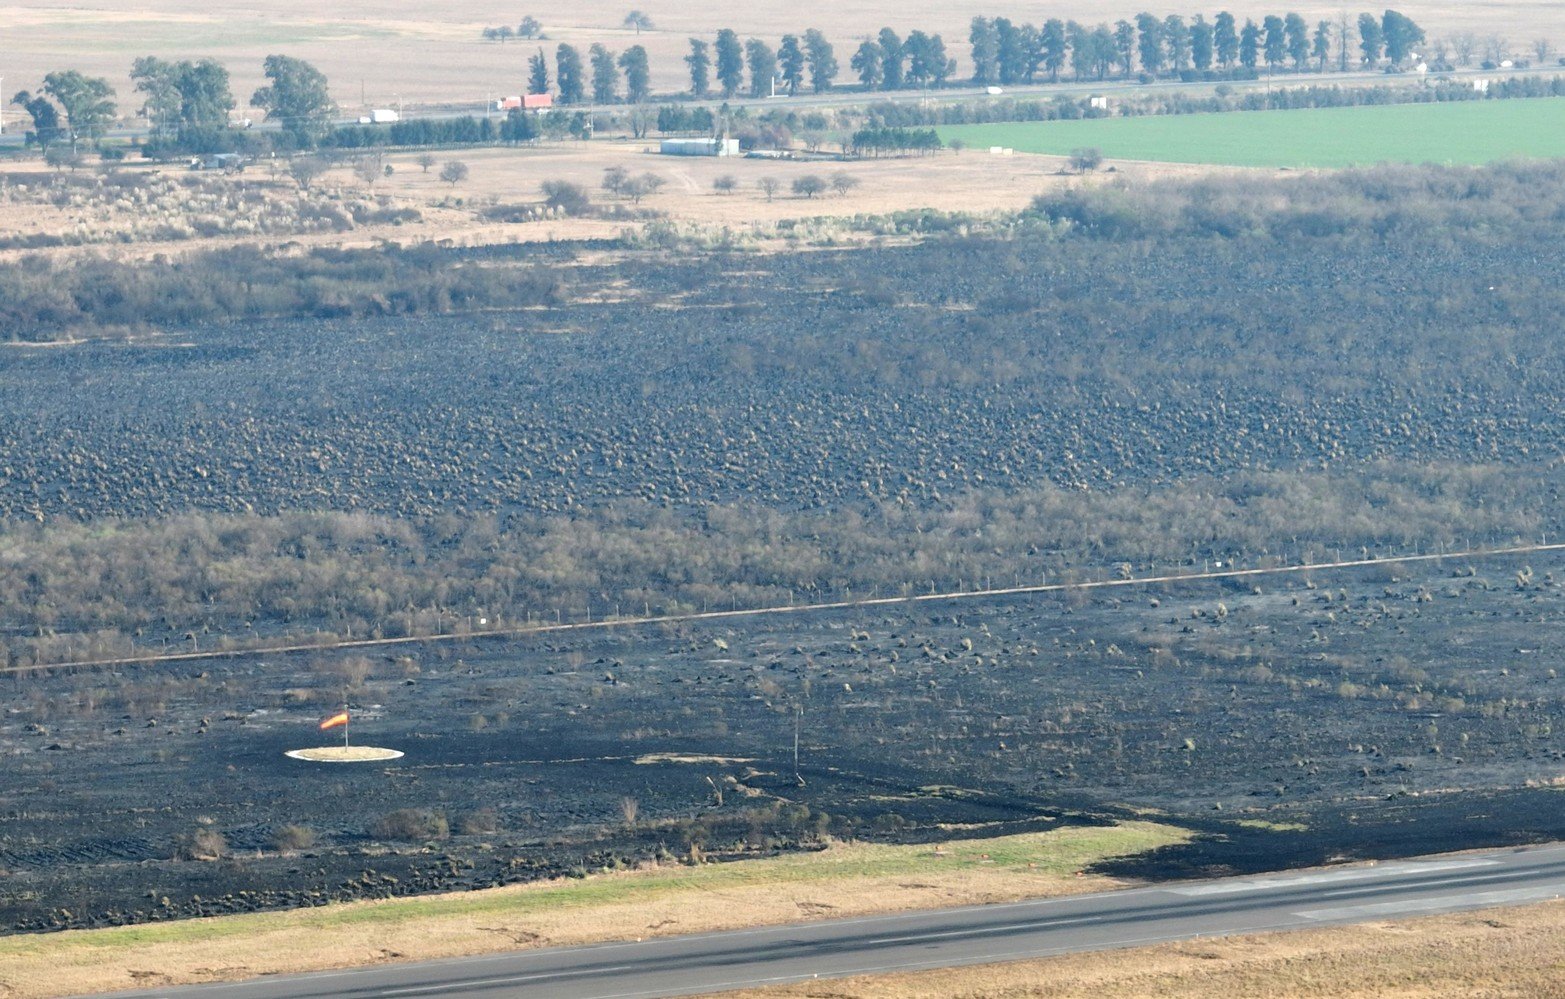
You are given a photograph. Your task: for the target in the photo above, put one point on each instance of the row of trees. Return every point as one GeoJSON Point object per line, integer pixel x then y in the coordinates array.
{"type": "Point", "coordinates": [69, 107]}
{"type": "Point", "coordinates": [1005, 52]}
{"type": "Point", "coordinates": [514, 127]}
{"type": "Point", "coordinates": [895, 141]}
{"type": "Point", "coordinates": [571, 77]}
{"type": "Point", "coordinates": [529, 28]}
{"type": "Point", "coordinates": [187, 104]}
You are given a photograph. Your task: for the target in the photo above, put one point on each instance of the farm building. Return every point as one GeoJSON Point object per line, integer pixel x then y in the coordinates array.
{"type": "Point", "coordinates": [526, 102]}
{"type": "Point", "coordinates": [699, 147]}
{"type": "Point", "coordinates": [226, 162]}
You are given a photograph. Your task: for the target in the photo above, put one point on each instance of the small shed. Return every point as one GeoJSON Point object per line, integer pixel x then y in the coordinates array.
{"type": "Point", "coordinates": [226, 162]}
{"type": "Point", "coordinates": [699, 147]}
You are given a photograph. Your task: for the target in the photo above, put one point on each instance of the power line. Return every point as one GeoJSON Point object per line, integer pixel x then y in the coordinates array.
{"type": "Point", "coordinates": [661, 619]}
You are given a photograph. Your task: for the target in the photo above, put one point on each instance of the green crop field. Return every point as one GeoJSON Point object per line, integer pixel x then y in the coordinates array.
{"type": "Point", "coordinates": [1468, 132]}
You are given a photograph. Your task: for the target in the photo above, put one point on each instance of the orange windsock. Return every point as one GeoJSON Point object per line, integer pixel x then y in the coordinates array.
{"type": "Point", "coordinates": [334, 721]}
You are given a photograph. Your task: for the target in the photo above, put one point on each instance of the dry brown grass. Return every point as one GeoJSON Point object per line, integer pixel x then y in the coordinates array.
{"type": "Point", "coordinates": [845, 880]}
{"type": "Point", "coordinates": [1495, 953]}
{"type": "Point", "coordinates": [971, 181]}
{"type": "Point", "coordinates": [374, 52]}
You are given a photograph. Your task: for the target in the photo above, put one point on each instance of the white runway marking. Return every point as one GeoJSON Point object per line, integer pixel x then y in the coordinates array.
{"type": "Point", "coordinates": [1329, 877]}
{"type": "Point", "coordinates": [1466, 900]}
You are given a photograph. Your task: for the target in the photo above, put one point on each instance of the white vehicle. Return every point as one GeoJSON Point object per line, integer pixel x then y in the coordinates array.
{"type": "Point", "coordinates": [379, 116]}
{"type": "Point", "coordinates": [994, 91]}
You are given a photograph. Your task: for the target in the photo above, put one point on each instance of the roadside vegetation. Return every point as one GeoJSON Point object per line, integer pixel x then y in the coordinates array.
{"type": "Point", "coordinates": [843, 879]}
{"type": "Point", "coordinates": [1511, 951]}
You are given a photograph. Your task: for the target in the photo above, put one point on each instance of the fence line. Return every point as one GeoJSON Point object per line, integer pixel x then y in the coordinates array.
{"type": "Point", "coordinates": [851, 604]}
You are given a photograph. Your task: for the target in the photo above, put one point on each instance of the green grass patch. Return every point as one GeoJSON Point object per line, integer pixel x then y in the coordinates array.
{"type": "Point", "coordinates": [1056, 854]}
{"type": "Point", "coordinates": [1469, 133]}
{"type": "Point", "coordinates": [1267, 826]}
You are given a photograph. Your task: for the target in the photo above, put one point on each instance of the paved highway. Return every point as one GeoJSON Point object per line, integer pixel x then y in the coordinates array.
{"type": "Point", "coordinates": [676, 966]}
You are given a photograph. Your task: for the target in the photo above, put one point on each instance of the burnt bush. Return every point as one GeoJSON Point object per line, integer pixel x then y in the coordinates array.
{"type": "Point", "coordinates": [41, 299]}
{"type": "Point", "coordinates": [412, 825]}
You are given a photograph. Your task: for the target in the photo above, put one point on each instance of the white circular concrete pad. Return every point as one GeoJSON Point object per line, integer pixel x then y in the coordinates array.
{"type": "Point", "coordinates": [345, 754]}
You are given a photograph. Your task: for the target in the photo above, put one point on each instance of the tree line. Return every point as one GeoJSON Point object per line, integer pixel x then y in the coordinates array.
{"type": "Point", "coordinates": [188, 104]}
{"type": "Point", "coordinates": [1005, 52]}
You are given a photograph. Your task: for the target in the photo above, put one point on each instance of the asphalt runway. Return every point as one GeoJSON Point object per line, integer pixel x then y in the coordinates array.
{"type": "Point", "coordinates": [691, 965]}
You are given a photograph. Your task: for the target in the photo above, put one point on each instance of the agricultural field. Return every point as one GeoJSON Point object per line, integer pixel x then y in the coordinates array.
{"type": "Point", "coordinates": [142, 209]}
{"type": "Point", "coordinates": [1455, 133]}
{"type": "Point", "coordinates": [374, 57]}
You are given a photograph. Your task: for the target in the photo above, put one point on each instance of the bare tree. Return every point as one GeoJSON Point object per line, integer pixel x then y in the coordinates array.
{"type": "Point", "coordinates": [1344, 39]}
{"type": "Point", "coordinates": [368, 169]}
{"type": "Point", "coordinates": [1464, 45]}
{"type": "Point", "coordinates": [1495, 49]}
{"type": "Point", "coordinates": [614, 180]}
{"type": "Point", "coordinates": [425, 161]}
{"type": "Point", "coordinates": [768, 186]}
{"type": "Point", "coordinates": [1542, 49]}
{"type": "Point", "coordinates": [639, 187]}
{"type": "Point", "coordinates": [305, 169]}
{"type": "Point", "coordinates": [842, 182]}
{"type": "Point", "coordinates": [725, 184]}
{"type": "Point", "coordinates": [454, 172]}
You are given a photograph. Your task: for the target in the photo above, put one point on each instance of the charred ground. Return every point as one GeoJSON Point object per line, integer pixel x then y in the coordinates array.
{"type": "Point", "coordinates": [1119, 381]}
{"type": "Point", "coordinates": [1383, 713]}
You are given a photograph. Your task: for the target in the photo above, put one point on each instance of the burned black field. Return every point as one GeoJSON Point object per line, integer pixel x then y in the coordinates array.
{"type": "Point", "coordinates": [1365, 713]}
{"type": "Point", "coordinates": [1121, 384]}
{"type": "Point", "coordinates": [826, 380]}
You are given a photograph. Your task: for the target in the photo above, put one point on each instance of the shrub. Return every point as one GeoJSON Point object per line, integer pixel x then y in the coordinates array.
{"type": "Point", "coordinates": [202, 843]}
{"type": "Point", "coordinates": [808, 186]}
{"type": "Point", "coordinates": [572, 199]}
{"type": "Point", "coordinates": [1086, 159]}
{"type": "Point", "coordinates": [292, 837]}
{"type": "Point", "coordinates": [479, 821]}
{"type": "Point", "coordinates": [411, 825]}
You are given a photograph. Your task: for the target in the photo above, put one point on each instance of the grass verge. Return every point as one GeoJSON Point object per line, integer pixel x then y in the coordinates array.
{"type": "Point", "coordinates": [1498, 952]}
{"type": "Point", "coordinates": [843, 880]}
